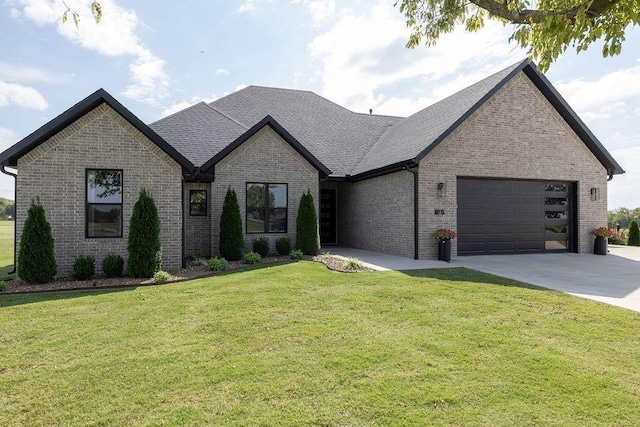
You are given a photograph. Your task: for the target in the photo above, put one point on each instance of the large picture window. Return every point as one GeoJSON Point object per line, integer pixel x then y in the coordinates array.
{"type": "Point", "coordinates": [104, 203]}
{"type": "Point", "coordinates": [266, 208]}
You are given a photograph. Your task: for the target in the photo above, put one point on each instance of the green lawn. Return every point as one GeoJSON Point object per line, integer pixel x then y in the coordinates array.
{"type": "Point", "coordinates": [6, 248]}
{"type": "Point", "coordinates": [297, 344]}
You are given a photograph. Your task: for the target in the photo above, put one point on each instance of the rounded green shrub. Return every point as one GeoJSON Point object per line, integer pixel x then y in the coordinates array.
{"type": "Point", "coordinates": [634, 234]}
{"type": "Point", "coordinates": [112, 265]}
{"type": "Point", "coordinates": [145, 251]}
{"type": "Point", "coordinates": [252, 258]}
{"type": "Point", "coordinates": [231, 243]}
{"type": "Point", "coordinates": [36, 259]}
{"type": "Point", "coordinates": [307, 226]}
{"type": "Point", "coordinates": [84, 267]}
{"type": "Point", "coordinates": [217, 264]}
{"type": "Point", "coordinates": [283, 245]}
{"type": "Point", "coordinates": [261, 246]}
{"type": "Point", "coordinates": [161, 277]}
{"type": "Point", "coordinates": [296, 255]}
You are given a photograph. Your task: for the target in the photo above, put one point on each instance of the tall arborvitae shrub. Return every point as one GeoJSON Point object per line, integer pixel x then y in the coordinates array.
{"type": "Point", "coordinates": [231, 242]}
{"type": "Point", "coordinates": [36, 259]}
{"type": "Point", "coordinates": [308, 238]}
{"type": "Point", "coordinates": [634, 234]}
{"type": "Point", "coordinates": [145, 251]}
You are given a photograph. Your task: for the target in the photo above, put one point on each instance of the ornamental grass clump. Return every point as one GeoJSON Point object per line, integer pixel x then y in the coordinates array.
{"type": "Point", "coordinates": [444, 234]}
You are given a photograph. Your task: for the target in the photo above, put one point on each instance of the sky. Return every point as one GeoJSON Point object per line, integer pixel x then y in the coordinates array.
{"type": "Point", "coordinates": [159, 57]}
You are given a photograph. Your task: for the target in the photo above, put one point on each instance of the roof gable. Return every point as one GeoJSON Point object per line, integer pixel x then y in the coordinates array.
{"type": "Point", "coordinates": [10, 156]}
{"type": "Point", "coordinates": [282, 132]}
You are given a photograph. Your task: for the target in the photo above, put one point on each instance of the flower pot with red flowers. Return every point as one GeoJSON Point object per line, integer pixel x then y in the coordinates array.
{"type": "Point", "coordinates": [600, 243]}
{"type": "Point", "coordinates": [444, 236]}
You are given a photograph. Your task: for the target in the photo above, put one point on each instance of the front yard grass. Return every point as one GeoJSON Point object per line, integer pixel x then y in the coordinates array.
{"type": "Point", "coordinates": [6, 248]}
{"type": "Point", "coordinates": [297, 344]}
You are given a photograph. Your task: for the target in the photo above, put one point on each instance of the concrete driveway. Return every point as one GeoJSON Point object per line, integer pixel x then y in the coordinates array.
{"type": "Point", "coordinates": [613, 279]}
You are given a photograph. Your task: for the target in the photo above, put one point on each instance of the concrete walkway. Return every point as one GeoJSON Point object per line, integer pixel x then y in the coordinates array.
{"type": "Point", "coordinates": [613, 279]}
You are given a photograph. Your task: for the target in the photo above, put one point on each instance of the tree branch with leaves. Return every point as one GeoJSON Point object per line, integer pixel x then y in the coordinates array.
{"type": "Point", "coordinates": [546, 28]}
{"type": "Point", "coordinates": [96, 11]}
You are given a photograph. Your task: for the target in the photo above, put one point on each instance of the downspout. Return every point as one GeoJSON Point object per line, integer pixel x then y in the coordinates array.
{"type": "Point", "coordinates": [184, 260]}
{"type": "Point", "coordinates": [415, 210]}
{"type": "Point", "coordinates": [15, 216]}
{"type": "Point", "coordinates": [610, 177]}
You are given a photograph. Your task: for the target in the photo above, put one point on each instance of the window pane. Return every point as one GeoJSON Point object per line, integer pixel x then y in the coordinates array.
{"type": "Point", "coordinates": [255, 195]}
{"type": "Point", "coordinates": [255, 220]}
{"type": "Point", "coordinates": [555, 229]}
{"type": "Point", "coordinates": [198, 196]}
{"type": "Point", "coordinates": [277, 195]}
{"type": "Point", "coordinates": [278, 220]}
{"type": "Point", "coordinates": [198, 209]}
{"type": "Point", "coordinates": [553, 245]}
{"type": "Point", "coordinates": [104, 220]}
{"type": "Point", "coordinates": [555, 201]}
{"type": "Point", "coordinates": [104, 186]}
{"type": "Point", "coordinates": [555, 214]}
{"type": "Point", "coordinates": [556, 187]}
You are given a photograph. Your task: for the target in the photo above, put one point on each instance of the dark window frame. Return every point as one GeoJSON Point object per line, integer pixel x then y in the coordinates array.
{"type": "Point", "coordinates": [265, 208]}
{"type": "Point", "coordinates": [88, 204]}
{"type": "Point", "coordinates": [205, 203]}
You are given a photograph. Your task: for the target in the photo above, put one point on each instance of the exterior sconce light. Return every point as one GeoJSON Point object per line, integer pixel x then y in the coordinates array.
{"type": "Point", "coordinates": [441, 189]}
{"type": "Point", "coordinates": [595, 194]}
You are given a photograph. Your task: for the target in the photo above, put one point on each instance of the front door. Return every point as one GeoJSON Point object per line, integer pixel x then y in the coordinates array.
{"type": "Point", "coordinates": [328, 229]}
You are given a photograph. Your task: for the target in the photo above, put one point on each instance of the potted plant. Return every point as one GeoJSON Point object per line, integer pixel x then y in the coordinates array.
{"type": "Point", "coordinates": [444, 236]}
{"type": "Point", "coordinates": [600, 243]}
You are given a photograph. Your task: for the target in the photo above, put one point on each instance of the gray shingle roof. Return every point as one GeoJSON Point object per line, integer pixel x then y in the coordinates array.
{"type": "Point", "coordinates": [339, 138]}
{"type": "Point", "coordinates": [198, 132]}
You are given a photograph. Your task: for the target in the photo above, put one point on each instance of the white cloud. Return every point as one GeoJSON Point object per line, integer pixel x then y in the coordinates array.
{"type": "Point", "coordinates": [321, 10]}
{"type": "Point", "coordinates": [23, 96]}
{"type": "Point", "coordinates": [221, 71]}
{"type": "Point", "coordinates": [623, 189]}
{"type": "Point", "coordinates": [247, 5]}
{"type": "Point", "coordinates": [601, 98]}
{"type": "Point", "coordinates": [114, 36]}
{"type": "Point", "coordinates": [364, 52]}
{"type": "Point", "coordinates": [181, 105]}
{"type": "Point", "coordinates": [21, 73]}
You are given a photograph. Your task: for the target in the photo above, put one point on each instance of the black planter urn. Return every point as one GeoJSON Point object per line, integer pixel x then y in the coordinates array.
{"type": "Point", "coordinates": [600, 246]}
{"type": "Point", "coordinates": [444, 250]}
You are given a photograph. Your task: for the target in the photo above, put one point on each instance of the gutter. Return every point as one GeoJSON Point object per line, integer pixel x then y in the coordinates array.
{"type": "Point", "coordinates": [15, 216]}
{"type": "Point", "coordinates": [414, 171]}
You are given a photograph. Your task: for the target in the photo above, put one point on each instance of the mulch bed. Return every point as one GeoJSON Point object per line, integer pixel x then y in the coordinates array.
{"type": "Point", "coordinates": [17, 286]}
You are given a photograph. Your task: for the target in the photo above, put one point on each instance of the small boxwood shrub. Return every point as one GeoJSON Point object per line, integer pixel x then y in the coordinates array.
{"type": "Point", "coordinates": [261, 246]}
{"type": "Point", "coordinates": [252, 258]}
{"type": "Point", "coordinates": [84, 267]}
{"type": "Point", "coordinates": [297, 255]}
{"type": "Point", "coordinates": [112, 265]}
{"type": "Point", "coordinates": [217, 264]}
{"type": "Point", "coordinates": [161, 277]}
{"type": "Point", "coordinates": [283, 245]}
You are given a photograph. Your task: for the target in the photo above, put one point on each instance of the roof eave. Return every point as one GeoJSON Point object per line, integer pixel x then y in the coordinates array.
{"type": "Point", "coordinates": [282, 132]}
{"type": "Point", "coordinates": [10, 156]}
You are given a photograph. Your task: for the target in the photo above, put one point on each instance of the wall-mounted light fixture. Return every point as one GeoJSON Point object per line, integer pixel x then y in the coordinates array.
{"type": "Point", "coordinates": [441, 189]}
{"type": "Point", "coordinates": [595, 194]}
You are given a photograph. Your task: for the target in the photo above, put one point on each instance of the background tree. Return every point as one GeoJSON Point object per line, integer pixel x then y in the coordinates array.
{"type": "Point", "coordinates": [623, 217]}
{"type": "Point", "coordinates": [231, 241]}
{"type": "Point", "coordinates": [634, 234]}
{"type": "Point", "coordinates": [546, 28]}
{"type": "Point", "coordinates": [308, 237]}
{"type": "Point", "coordinates": [36, 258]}
{"type": "Point", "coordinates": [144, 248]}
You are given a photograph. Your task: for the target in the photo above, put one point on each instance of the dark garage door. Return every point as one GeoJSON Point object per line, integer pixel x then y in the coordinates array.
{"type": "Point", "coordinates": [511, 216]}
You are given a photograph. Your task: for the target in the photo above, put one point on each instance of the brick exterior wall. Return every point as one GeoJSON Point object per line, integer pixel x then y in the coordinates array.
{"type": "Point", "coordinates": [377, 214]}
{"type": "Point", "coordinates": [197, 229]}
{"type": "Point", "coordinates": [516, 134]}
{"type": "Point", "coordinates": [55, 171]}
{"type": "Point", "coordinates": [265, 157]}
